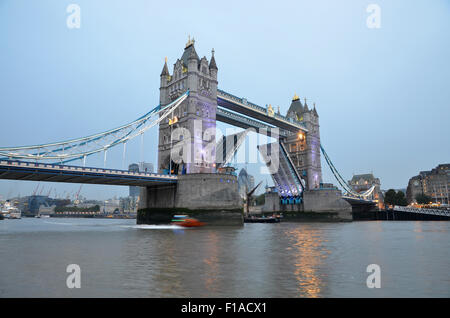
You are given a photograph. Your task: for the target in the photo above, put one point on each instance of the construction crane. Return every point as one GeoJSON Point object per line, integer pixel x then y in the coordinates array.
{"type": "Point", "coordinates": [248, 197]}
{"type": "Point", "coordinates": [35, 190]}
{"type": "Point", "coordinates": [77, 196]}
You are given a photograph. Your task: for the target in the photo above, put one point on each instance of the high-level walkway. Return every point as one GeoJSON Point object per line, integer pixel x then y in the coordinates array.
{"type": "Point", "coordinates": [238, 120]}
{"type": "Point", "coordinates": [242, 106]}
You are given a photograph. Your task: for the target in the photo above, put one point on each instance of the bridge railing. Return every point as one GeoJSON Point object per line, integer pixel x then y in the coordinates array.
{"type": "Point", "coordinates": [25, 164]}
{"type": "Point", "coordinates": [422, 211]}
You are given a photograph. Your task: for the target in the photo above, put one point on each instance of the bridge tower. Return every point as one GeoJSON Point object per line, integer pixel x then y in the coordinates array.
{"type": "Point", "coordinates": [196, 116]}
{"type": "Point", "coordinates": [304, 149]}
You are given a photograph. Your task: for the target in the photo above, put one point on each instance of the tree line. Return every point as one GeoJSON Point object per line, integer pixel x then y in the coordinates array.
{"type": "Point", "coordinates": [392, 197]}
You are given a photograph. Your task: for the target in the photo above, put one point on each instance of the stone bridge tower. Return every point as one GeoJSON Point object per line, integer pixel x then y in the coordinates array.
{"type": "Point", "coordinates": [195, 118]}
{"type": "Point", "coordinates": [304, 149]}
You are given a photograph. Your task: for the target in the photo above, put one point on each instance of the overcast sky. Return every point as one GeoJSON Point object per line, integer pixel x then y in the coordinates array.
{"type": "Point", "coordinates": [382, 94]}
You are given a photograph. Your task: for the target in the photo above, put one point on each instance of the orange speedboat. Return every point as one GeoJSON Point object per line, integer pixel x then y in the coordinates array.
{"type": "Point", "coordinates": [186, 221]}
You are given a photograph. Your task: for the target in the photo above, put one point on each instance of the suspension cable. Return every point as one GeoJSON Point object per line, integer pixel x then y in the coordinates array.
{"type": "Point", "coordinates": [70, 150]}
{"type": "Point", "coordinates": [342, 181]}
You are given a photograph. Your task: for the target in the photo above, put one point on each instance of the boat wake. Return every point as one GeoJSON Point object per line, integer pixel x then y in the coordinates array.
{"type": "Point", "coordinates": [58, 223]}
{"type": "Point", "coordinates": [158, 227]}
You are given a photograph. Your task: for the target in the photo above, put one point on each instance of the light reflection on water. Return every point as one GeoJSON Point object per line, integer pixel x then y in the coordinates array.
{"type": "Point", "coordinates": [120, 259]}
{"type": "Point", "coordinates": [306, 247]}
{"type": "Point", "coordinates": [211, 262]}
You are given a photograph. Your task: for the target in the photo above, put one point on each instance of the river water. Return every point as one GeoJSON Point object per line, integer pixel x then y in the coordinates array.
{"type": "Point", "coordinates": [119, 259]}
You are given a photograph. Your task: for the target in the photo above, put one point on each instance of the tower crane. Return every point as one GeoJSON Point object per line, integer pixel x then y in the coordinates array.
{"type": "Point", "coordinates": [35, 190]}
{"type": "Point", "coordinates": [77, 195]}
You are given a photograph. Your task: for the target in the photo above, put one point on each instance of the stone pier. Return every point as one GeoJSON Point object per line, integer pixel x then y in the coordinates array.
{"type": "Point", "coordinates": [210, 197]}
{"type": "Point", "coordinates": [318, 205]}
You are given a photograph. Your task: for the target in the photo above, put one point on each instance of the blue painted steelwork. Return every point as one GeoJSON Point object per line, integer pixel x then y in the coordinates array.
{"type": "Point", "coordinates": [245, 122]}
{"type": "Point", "coordinates": [225, 99]}
{"type": "Point", "coordinates": [351, 196]}
{"type": "Point", "coordinates": [17, 170]}
{"type": "Point", "coordinates": [286, 179]}
{"type": "Point", "coordinates": [59, 150]}
{"type": "Point", "coordinates": [292, 169]}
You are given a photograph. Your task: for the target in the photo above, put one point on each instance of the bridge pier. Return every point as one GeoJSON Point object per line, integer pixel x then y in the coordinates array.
{"type": "Point", "coordinates": [317, 205]}
{"type": "Point", "coordinates": [210, 197]}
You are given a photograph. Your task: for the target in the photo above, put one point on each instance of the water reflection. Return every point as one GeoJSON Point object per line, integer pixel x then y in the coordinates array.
{"type": "Point", "coordinates": [308, 254]}
{"type": "Point", "coordinates": [155, 264]}
{"type": "Point", "coordinates": [258, 260]}
{"type": "Point", "coordinates": [418, 230]}
{"type": "Point", "coordinates": [211, 261]}
{"type": "Point", "coordinates": [169, 275]}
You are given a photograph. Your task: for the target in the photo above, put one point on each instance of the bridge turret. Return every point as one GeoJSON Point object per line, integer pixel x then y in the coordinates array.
{"type": "Point", "coordinates": [193, 58]}
{"type": "Point", "coordinates": [213, 66]}
{"type": "Point", "coordinates": [165, 70]}
{"type": "Point", "coordinates": [315, 112]}
{"type": "Point", "coordinates": [295, 109]}
{"type": "Point", "coordinates": [213, 73]}
{"type": "Point", "coordinates": [165, 78]}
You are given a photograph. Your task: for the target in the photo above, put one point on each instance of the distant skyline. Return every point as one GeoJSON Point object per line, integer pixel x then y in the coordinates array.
{"type": "Point", "coordinates": [382, 94]}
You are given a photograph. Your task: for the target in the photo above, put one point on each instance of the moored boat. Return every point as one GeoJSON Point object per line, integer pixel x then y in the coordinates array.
{"type": "Point", "coordinates": [10, 212]}
{"type": "Point", "coordinates": [15, 213]}
{"type": "Point", "coordinates": [269, 219]}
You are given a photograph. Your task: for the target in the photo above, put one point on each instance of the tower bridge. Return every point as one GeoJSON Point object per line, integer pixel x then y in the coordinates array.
{"type": "Point", "coordinates": [188, 157]}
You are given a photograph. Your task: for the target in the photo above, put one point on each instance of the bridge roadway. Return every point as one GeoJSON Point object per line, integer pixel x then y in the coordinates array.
{"type": "Point", "coordinates": [242, 106]}
{"type": "Point", "coordinates": [22, 170]}
{"type": "Point", "coordinates": [286, 178]}
{"type": "Point", "coordinates": [355, 201]}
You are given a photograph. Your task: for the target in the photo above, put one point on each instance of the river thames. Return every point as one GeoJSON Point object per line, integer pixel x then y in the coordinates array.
{"type": "Point", "coordinates": [119, 259]}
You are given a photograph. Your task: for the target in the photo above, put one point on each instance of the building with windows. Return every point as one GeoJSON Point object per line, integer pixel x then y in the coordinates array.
{"type": "Point", "coordinates": [146, 167]}
{"type": "Point", "coordinates": [434, 183]}
{"type": "Point", "coordinates": [246, 183]}
{"type": "Point", "coordinates": [134, 191]}
{"type": "Point", "coordinates": [363, 182]}
{"type": "Point", "coordinates": [139, 167]}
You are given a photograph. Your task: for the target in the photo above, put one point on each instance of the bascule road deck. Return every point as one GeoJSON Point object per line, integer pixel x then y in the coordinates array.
{"type": "Point", "coordinates": [21, 170]}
